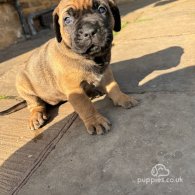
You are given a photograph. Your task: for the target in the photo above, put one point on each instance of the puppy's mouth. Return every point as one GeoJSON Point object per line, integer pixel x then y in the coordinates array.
{"type": "Point", "coordinates": [90, 50]}
{"type": "Point", "coordinates": [93, 48]}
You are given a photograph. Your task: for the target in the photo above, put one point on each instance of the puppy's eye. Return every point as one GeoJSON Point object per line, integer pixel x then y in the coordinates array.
{"type": "Point", "coordinates": [102, 9]}
{"type": "Point", "coordinates": [68, 20]}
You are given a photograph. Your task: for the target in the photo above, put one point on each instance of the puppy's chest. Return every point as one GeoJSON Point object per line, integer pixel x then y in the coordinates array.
{"type": "Point", "coordinates": [95, 73]}
{"type": "Point", "coordinates": [93, 79]}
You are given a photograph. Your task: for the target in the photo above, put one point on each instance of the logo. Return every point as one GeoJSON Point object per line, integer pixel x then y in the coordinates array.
{"type": "Point", "coordinates": [160, 170]}
{"type": "Point", "coordinates": [160, 174]}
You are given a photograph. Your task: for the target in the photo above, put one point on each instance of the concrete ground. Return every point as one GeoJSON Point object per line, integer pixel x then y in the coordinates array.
{"type": "Point", "coordinates": [150, 149]}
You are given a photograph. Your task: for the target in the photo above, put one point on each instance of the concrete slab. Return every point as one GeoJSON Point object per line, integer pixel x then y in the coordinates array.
{"type": "Point", "coordinates": [160, 130]}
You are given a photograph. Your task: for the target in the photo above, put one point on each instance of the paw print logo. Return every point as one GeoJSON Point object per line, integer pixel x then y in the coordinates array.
{"type": "Point", "coordinates": [160, 170]}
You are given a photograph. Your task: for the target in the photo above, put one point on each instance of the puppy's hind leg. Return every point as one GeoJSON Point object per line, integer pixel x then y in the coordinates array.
{"type": "Point", "coordinates": [37, 109]}
{"type": "Point", "coordinates": [38, 115]}
{"type": "Point", "coordinates": [35, 104]}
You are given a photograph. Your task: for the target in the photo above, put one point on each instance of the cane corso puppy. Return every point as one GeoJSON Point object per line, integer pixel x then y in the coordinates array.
{"type": "Point", "coordinates": [78, 59]}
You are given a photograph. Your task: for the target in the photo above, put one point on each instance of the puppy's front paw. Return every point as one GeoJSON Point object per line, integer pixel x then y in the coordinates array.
{"type": "Point", "coordinates": [97, 125]}
{"type": "Point", "coordinates": [37, 119]}
{"type": "Point", "coordinates": [126, 101]}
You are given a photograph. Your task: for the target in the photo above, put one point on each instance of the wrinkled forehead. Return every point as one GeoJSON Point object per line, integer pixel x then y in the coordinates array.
{"type": "Point", "coordinates": [78, 4]}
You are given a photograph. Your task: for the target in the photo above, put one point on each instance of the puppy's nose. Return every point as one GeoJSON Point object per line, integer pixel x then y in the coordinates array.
{"type": "Point", "coordinates": [90, 32]}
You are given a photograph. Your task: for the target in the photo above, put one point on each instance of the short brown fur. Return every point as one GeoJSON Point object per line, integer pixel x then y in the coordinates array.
{"type": "Point", "coordinates": [54, 73]}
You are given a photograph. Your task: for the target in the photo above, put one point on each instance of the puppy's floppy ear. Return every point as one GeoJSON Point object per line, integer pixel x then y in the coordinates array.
{"type": "Point", "coordinates": [57, 25]}
{"type": "Point", "coordinates": [116, 14]}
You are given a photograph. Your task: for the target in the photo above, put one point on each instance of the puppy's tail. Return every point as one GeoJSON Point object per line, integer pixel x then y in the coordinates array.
{"type": "Point", "coordinates": [14, 108]}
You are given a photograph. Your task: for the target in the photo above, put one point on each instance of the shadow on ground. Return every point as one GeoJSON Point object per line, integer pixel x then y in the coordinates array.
{"type": "Point", "coordinates": [129, 73]}
{"type": "Point", "coordinates": [25, 46]}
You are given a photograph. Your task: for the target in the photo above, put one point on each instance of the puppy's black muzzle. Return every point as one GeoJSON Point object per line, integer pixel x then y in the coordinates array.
{"type": "Point", "coordinates": [92, 36]}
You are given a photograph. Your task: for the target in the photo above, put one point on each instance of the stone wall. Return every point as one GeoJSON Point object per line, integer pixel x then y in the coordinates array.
{"type": "Point", "coordinates": [10, 27]}
{"type": "Point", "coordinates": [30, 6]}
